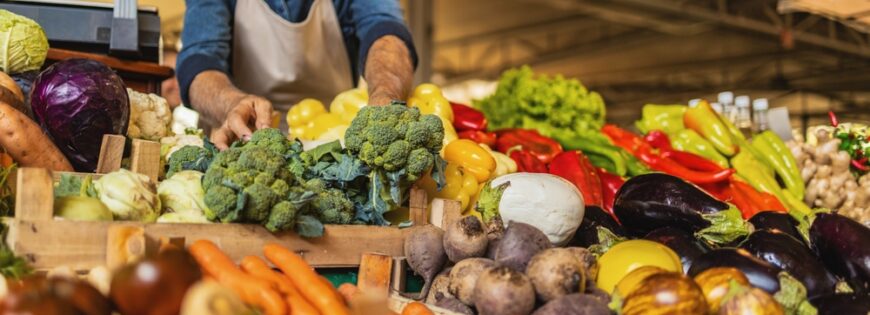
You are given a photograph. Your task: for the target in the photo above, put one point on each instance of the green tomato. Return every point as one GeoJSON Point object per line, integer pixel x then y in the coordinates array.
{"type": "Point", "coordinates": [627, 256]}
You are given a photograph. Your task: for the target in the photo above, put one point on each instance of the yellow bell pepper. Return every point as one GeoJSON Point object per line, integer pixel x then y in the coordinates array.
{"type": "Point", "coordinates": [309, 120]}
{"type": "Point", "coordinates": [503, 163]}
{"type": "Point", "coordinates": [461, 185]}
{"type": "Point", "coordinates": [346, 104]}
{"type": "Point", "coordinates": [428, 98]}
{"type": "Point", "coordinates": [471, 157]}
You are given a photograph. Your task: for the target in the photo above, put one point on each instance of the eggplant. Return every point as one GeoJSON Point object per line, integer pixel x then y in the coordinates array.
{"type": "Point", "coordinates": [842, 304]}
{"type": "Point", "coordinates": [760, 273]}
{"type": "Point", "coordinates": [787, 253]}
{"type": "Point", "coordinates": [843, 245]}
{"type": "Point", "coordinates": [647, 202]}
{"type": "Point", "coordinates": [772, 220]}
{"type": "Point", "coordinates": [587, 232]}
{"type": "Point", "coordinates": [683, 243]}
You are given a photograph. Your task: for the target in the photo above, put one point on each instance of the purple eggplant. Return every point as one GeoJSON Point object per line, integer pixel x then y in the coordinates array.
{"type": "Point", "coordinates": [787, 253]}
{"type": "Point", "coordinates": [593, 219]}
{"type": "Point", "coordinates": [647, 202]}
{"type": "Point", "coordinates": [760, 273]}
{"type": "Point", "coordinates": [842, 304]}
{"type": "Point", "coordinates": [843, 245]}
{"type": "Point", "coordinates": [683, 243]}
{"type": "Point", "coordinates": [772, 220]}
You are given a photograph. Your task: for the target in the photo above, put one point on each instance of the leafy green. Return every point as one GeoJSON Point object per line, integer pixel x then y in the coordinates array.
{"type": "Point", "coordinates": [24, 46]}
{"type": "Point", "coordinates": [11, 266]}
{"type": "Point", "coordinates": [551, 105]}
{"type": "Point", "coordinates": [308, 226]}
{"type": "Point", "coordinates": [71, 185]}
{"type": "Point", "coordinates": [7, 196]}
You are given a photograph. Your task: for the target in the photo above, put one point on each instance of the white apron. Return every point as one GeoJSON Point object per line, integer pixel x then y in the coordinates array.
{"type": "Point", "coordinates": [286, 62]}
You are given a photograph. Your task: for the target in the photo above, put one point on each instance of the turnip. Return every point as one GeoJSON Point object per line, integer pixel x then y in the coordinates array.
{"type": "Point", "coordinates": [439, 285]}
{"type": "Point", "coordinates": [574, 304]}
{"type": "Point", "coordinates": [425, 253]}
{"type": "Point", "coordinates": [452, 304]}
{"type": "Point", "coordinates": [504, 291]}
{"type": "Point", "coordinates": [465, 238]}
{"type": "Point", "coordinates": [519, 243]}
{"type": "Point", "coordinates": [558, 271]}
{"type": "Point", "coordinates": [463, 278]}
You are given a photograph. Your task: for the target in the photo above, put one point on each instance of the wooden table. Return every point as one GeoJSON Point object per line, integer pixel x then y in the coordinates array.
{"type": "Point", "coordinates": [141, 76]}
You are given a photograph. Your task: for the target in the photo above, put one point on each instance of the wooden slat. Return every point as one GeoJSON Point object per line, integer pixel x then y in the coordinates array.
{"type": "Point", "coordinates": [397, 303]}
{"type": "Point", "coordinates": [34, 198]}
{"type": "Point", "coordinates": [374, 274]}
{"type": "Point", "coordinates": [142, 67]}
{"type": "Point", "coordinates": [111, 153]}
{"type": "Point", "coordinates": [444, 211]}
{"type": "Point", "coordinates": [397, 283]}
{"type": "Point", "coordinates": [418, 207]}
{"type": "Point", "coordinates": [145, 158]}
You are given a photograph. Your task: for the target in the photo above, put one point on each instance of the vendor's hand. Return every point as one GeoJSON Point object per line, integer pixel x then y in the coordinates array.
{"type": "Point", "coordinates": [380, 99]}
{"type": "Point", "coordinates": [249, 111]}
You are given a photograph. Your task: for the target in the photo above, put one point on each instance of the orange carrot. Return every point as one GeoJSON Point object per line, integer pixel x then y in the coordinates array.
{"type": "Point", "coordinates": [321, 294]}
{"type": "Point", "coordinates": [416, 308]}
{"type": "Point", "coordinates": [252, 290]}
{"type": "Point", "coordinates": [256, 267]}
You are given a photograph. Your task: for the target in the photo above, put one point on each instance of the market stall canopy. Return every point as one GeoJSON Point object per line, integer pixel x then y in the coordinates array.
{"type": "Point", "coordinates": [854, 13]}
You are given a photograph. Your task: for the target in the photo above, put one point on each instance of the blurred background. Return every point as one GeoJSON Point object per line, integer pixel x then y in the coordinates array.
{"type": "Point", "coordinates": [809, 55]}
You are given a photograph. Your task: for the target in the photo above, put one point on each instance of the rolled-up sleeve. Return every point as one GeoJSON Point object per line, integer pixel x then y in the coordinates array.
{"type": "Point", "coordinates": [375, 19]}
{"type": "Point", "coordinates": [206, 41]}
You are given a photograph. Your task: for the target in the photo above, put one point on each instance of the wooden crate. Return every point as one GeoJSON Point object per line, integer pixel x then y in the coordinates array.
{"type": "Point", "coordinates": [47, 242]}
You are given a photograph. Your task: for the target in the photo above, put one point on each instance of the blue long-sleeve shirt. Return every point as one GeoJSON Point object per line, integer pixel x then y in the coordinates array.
{"type": "Point", "coordinates": [207, 33]}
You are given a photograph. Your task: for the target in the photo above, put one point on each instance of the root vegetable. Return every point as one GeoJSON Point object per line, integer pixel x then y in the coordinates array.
{"type": "Point", "coordinates": [465, 238]}
{"type": "Point", "coordinates": [504, 291]}
{"type": "Point", "coordinates": [840, 162]}
{"type": "Point", "coordinates": [463, 278]}
{"type": "Point", "coordinates": [520, 242]}
{"type": "Point", "coordinates": [425, 251]}
{"type": "Point", "coordinates": [574, 304]}
{"type": "Point", "coordinates": [808, 171]}
{"type": "Point", "coordinates": [452, 304]}
{"type": "Point", "coordinates": [27, 144]}
{"type": "Point", "coordinates": [556, 272]}
{"type": "Point", "coordinates": [441, 285]}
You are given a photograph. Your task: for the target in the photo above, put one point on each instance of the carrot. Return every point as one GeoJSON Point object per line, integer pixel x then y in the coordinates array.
{"type": "Point", "coordinates": [256, 267]}
{"type": "Point", "coordinates": [348, 291]}
{"type": "Point", "coordinates": [321, 294]}
{"type": "Point", "coordinates": [252, 290]}
{"type": "Point", "coordinates": [416, 308]}
{"type": "Point", "coordinates": [25, 142]}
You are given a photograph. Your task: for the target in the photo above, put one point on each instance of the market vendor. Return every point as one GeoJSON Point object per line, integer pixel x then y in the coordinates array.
{"type": "Point", "coordinates": [243, 58]}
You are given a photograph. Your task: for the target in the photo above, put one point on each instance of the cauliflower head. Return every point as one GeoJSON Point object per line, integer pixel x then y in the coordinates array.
{"type": "Point", "coordinates": [129, 195]}
{"type": "Point", "coordinates": [150, 116]}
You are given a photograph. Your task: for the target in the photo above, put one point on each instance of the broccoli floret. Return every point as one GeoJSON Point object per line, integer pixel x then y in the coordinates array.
{"type": "Point", "coordinates": [333, 207]}
{"type": "Point", "coordinates": [282, 217]}
{"type": "Point", "coordinates": [189, 157]}
{"type": "Point", "coordinates": [385, 137]}
{"type": "Point", "coordinates": [261, 198]}
{"type": "Point", "coordinates": [280, 188]}
{"type": "Point", "coordinates": [226, 157]}
{"type": "Point", "coordinates": [221, 202]}
{"type": "Point", "coordinates": [214, 176]}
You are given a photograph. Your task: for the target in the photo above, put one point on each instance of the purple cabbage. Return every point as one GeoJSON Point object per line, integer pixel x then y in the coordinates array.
{"type": "Point", "coordinates": [77, 101]}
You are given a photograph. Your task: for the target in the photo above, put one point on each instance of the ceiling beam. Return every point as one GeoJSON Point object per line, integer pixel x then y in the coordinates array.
{"type": "Point", "coordinates": [518, 31]}
{"type": "Point", "coordinates": [608, 13]}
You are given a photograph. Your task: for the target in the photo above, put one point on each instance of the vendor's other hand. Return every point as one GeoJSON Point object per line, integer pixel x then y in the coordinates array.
{"type": "Point", "coordinates": [249, 113]}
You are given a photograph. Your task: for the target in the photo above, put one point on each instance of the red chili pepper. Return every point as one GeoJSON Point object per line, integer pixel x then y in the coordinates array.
{"type": "Point", "coordinates": [623, 138]}
{"type": "Point", "coordinates": [487, 138]}
{"type": "Point", "coordinates": [660, 140]}
{"type": "Point", "coordinates": [860, 166]}
{"type": "Point", "coordinates": [833, 117]}
{"type": "Point", "coordinates": [610, 184]}
{"type": "Point", "coordinates": [669, 166]}
{"type": "Point", "coordinates": [527, 162]}
{"type": "Point", "coordinates": [756, 201]}
{"type": "Point", "coordinates": [577, 169]}
{"type": "Point", "coordinates": [543, 148]}
{"type": "Point", "coordinates": [720, 190]}
{"type": "Point", "coordinates": [467, 118]}
{"type": "Point", "coordinates": [741, 200]}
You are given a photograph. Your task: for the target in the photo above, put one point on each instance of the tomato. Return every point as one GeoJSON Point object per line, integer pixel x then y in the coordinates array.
{"type": "Point", "coordinates": [627, 256]}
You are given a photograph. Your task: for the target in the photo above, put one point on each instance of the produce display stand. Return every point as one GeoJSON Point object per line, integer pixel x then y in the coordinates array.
{"type": "Point", "coordinates": [47, 242]}
{"type": "Point", "coordinates": [375, 272]}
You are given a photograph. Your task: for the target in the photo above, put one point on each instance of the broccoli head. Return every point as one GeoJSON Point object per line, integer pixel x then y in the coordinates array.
{"type": "Point", "coordinates": [222, 202]}
{"type": "Point", "coordinates": [189, 157]}
{"type": "Point", "coordinates": [282, 217]}
{"type": "Point", "coordinates": [333, 207]}
{"type": "Point", "coordinates": [395, 137]}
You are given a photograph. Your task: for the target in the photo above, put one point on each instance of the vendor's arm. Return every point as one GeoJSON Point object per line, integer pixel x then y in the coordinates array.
{"type": "Point", "coordinates": [202, 69]}
{"type": "Point", "coordinates": [387, 56]}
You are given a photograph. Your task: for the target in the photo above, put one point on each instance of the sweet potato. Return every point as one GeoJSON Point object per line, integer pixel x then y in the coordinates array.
{"type": "Point", "coordinates": [27, 144]}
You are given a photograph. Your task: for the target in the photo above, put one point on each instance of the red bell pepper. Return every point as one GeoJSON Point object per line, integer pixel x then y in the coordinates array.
{"type": "Point", "coordinates": [467, 118]}
{"type": "Point", "coordinates": [610, 184]}
{"type": "Point", "coordinates": [577, 169]}
{"type": "Point", "coordinates": [527, 162]}
{"type": "Point", "coordinates": [623, 138]}
{"type": "Point", "coordinates": [720, 190]}
{"type": "Point", "coordinates": [543, 148]}
{"type": "Point", "coordinates": [660, 140]}
{"type": "Point", "coordinates": [669, 166]}
{"type": "Point", "coordinates": [478, 136]}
